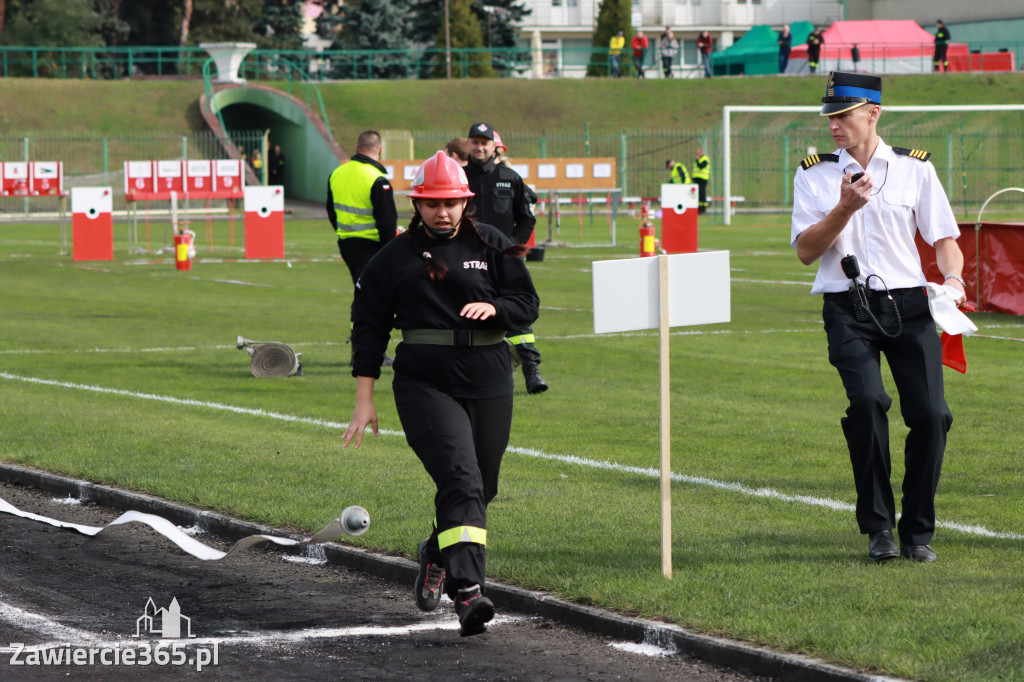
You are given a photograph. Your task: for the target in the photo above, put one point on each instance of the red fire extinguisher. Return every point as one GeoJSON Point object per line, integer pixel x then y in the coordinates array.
{"type": "Point", "coordinates": [647, 247]}
{"type": "Point", "coordinates": [183, 250]}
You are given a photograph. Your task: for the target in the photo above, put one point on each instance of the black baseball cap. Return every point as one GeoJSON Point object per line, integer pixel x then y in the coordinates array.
{"type": "Point", "coordinates": [481, 130]}
{"type": "Point", "coordinates": [846, 91]}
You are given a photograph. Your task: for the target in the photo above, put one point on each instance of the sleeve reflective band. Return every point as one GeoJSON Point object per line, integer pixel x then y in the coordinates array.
{"type": "Point", "coordinates": [522, 338]}
{"type": "Point", "coordinates": [453, 536]}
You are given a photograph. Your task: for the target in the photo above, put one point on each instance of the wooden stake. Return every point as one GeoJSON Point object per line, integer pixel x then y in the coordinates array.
{"type": "Point", "coordinates": [665, 417]}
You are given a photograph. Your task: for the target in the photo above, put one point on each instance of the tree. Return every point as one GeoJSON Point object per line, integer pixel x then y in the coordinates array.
{"type": "Point", "coordinates": [612, 16]}
{"type": "Point", "coordinates": [186, 21]}
{"type": "Point", "coordinates": [281, 28]}
{"type": "Point", "coordinates": [375, 25]}
{"type": "Point", "coordinates": [215, 21]}
{"type": "Point", "coordinates": [53, 23]}
{"type": "Point", "coordinates": [464, 32]}
{"type": "Point", "coordinates": [500, 21]}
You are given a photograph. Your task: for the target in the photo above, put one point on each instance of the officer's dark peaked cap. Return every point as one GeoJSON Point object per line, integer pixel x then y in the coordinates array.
{"type": "Point", "coordinates": [846, 91]}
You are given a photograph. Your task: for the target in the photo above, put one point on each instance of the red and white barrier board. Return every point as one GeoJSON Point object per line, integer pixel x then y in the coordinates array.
{"type": "Point", "coordinates": [264, 221]}
{"type": "Point", "coordinates": [679, 205]}
{"type": "Point", "coordinates": [139, 181]}
{"type": "Point", "coordinates": [14, 178]}
{"type": "Point", "coordinates": [229, 181]}
{"type": "Point", "coordinates": [47, 179]}
{"type": "Point", "coordinates": [199, 179]}
{"type": "Point", "coordinates": [92, 223]}
{"type": "Point", "coordinates": [169, 178]}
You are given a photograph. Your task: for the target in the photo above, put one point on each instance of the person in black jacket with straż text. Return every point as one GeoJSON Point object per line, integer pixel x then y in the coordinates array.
{"type": "Point", "coordinates": [452, 287]}
{"type": "Point", "coordinates": [503, 200]}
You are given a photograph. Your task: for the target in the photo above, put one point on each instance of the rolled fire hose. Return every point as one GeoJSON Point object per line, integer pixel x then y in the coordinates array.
{"type": "Point", "coordinates": [270, 358]}
{"type": "Point", "coordinates": [274, 360]}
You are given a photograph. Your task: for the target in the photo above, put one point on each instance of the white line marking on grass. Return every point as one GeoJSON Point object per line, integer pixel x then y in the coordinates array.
{"type": "Point", "coordinates": [647, 472]}
{"type": "Point", "coordinates": [771, 281]}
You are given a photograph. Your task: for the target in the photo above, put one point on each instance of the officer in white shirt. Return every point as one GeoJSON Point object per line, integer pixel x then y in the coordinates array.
{"type": "Point", "coordinates": [869, 200]}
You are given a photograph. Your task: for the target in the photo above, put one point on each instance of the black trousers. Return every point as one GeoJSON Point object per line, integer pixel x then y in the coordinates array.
{"type": "Point", "coordinates": [356, 253]}
{"type": "Point", "coordinates": [915, 360]}
{"type": "Point", "coordinates": [702, 195]}
{"type": "Point", "coordinates": [460, 442]}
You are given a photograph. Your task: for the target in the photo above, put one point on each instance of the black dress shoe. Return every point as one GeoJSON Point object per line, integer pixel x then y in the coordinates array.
{"type": "Point", "coordinates": [917, 552]}
{"type": "Point", "coordinates": [881, 546]}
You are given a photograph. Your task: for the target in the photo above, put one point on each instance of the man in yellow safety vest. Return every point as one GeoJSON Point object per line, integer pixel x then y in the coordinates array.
{"type": "Point", "coordinates": [701, 175]}
{"type": "Point", "coordinates": [678, 175]}
{"type": "Point", "coordinates": [361, 205]}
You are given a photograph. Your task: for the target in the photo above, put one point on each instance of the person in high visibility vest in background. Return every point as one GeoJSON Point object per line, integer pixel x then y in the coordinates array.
{"type": "Point", "coordinates": [361, 205]}
{"type": "Point", "coordinates": [453, 286]}
{"type": "Point", "coordinates": [941, 45]}
{"type": "Point", "coordinates": [701, 175]}
{"type": "Point", "coordinates": [678, 174]}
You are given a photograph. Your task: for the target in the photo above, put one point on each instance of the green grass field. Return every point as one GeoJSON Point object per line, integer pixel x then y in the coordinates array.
{"type": "Point", "coordinates": [125, 373]}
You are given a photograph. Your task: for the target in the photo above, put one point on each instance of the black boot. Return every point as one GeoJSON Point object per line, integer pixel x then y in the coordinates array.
{"type": "Point", "coordinates": [534, 382]}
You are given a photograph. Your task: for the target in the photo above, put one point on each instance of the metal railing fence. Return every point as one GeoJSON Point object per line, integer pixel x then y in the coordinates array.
{"type": "Point", "coordinates": [972, 161]}
{"type": "Point", "coordinates": [555, 61]}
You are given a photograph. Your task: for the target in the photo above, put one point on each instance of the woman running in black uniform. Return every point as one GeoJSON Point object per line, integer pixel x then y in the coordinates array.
{"type": "Point", "coordinates": [452, 287]}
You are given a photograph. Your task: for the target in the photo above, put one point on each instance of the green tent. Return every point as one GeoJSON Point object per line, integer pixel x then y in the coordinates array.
{"type": "Point", "coordinates": [757, 52]}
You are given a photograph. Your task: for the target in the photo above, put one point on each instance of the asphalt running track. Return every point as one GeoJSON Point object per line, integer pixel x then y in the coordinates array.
{"type": "Point", "coordinates": [341, 613]}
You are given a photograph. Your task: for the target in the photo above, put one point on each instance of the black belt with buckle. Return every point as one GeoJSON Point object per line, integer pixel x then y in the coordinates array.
{"type": "Point", "coordinates": [454, 337]}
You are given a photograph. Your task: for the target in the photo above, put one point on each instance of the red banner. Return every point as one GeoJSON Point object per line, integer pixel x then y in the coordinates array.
{"type": "Point", "coordinates": [997, 249]}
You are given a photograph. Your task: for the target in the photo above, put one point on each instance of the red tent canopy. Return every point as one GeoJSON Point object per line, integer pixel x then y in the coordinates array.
{"type": "Point", "coordinates": [889, 46]}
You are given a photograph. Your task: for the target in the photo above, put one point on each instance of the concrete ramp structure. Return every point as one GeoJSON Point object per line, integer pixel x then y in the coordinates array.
{"type": "Point", "coordinates": [310, 151]}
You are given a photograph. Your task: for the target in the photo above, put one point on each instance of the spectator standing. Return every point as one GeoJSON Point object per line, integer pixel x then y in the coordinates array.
{"type": "Point", "coordinates": [257, 165]}
{"type": "Point", "coordinates": [639, 45]}
{"type": "Point", "coordinates": [814, 43]}
{"type": "Point", "coordinates": [701, 175]}
{"type": "Point", "coordinates": [458, 149]}
{"type": "Point", "coordinates": [677, 173]}
{"type": "Point", "coordinates": [868, 202]}
{"type": "Point", "coordinates": [785, 46]}
{"type": "Point", "coordinates": [669, 48]}
{"type": "Point", "coordinates": [615, 46]}
{"type": "Point", "coordinates": [706, 45]}
{"type": "Point", "coordinates": [361, 206]}
{"type": "Point", "coordinates": [503, 200]}
{"type": "Point", "coordinates": [275, 165]}
{"type": "Point", "coordinates": [941, 45]}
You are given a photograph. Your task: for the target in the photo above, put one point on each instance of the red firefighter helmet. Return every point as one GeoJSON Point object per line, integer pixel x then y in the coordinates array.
{"type": "Point", "coordinates": [440, 177]}
{"type": "Point", "coordinates": [498, 144]}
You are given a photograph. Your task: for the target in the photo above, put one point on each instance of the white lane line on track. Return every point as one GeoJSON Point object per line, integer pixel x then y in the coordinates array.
{"type": "Point", "coordinates": [63, 635]}
{"type": "Point", "coordinates": [768, 493]}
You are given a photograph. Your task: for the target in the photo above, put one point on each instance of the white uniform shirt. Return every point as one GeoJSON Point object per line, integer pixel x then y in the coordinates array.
{"type": "Point", "coordinates": [906, 198]}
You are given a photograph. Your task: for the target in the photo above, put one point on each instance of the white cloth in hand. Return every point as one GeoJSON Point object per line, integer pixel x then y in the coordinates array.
{"type": "Point", "coordinates": [942, 304]}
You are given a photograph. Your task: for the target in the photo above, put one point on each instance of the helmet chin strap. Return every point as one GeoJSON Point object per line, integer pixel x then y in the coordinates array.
{"type": "Point", "coordinates": [440, 234]}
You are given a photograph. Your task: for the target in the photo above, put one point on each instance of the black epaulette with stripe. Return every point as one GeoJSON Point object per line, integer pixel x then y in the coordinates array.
{"type": "Point", "coordinates": [914, 153]}
{"type": "Point", "coordinates": [818, 158]}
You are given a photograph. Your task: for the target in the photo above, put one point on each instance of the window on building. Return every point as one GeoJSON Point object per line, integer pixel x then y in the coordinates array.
{"type": "Point", "coordinates": [556, 3]}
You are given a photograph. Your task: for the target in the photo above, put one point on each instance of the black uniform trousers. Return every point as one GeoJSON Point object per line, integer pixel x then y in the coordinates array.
{"type": "Point", "coordinates": [915, 360]}
{"type": "Point", "coordinates": [357, 252]}
{"type": "Point", "coordinates": [460, 442]}
{"type": "Point", "coordinates": [702, 195]}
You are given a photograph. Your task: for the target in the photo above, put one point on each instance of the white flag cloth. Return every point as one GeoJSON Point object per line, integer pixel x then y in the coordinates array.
{"type": "Point", "coordinates": [942, 304]}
